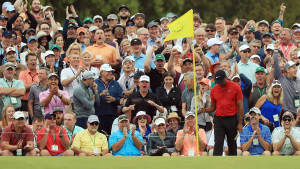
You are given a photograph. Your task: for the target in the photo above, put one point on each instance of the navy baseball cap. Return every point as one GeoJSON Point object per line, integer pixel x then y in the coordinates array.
{"type": "Point", "coordinates": [7, 33]}
{"type": "Point", "coordinates": [48, 115]}
{"type": "Point", "coordinates": [267, 34]}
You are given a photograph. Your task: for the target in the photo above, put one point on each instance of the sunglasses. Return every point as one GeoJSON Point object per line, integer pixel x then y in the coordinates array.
{"type": "Point", "coordinates": [247, 118]}
{"type": "Point", "coordinates": [14, 37]}
{"type": "Point", "coordinates": [257, 47]}
{"type": "Point", "coordinates": [287, 120]}
{"type": "Point", "coordinates": [246, 51]}
{"type": "Point", "coordinates": [94, 123]}
{"type": "Point", "coordinates": [126, 84]}
{"type": "Point", "coordinates": [123, 10]}
{"type": "Point", "coordinates": [130, 24]}
{"type": "Point", "coordinates": [143, 117]}
{"type": "Point", "coordinates": [52, 118]}
{"type": "Point", "coordinates": [276, 82]}
{"type": "Point", "coordinates": [161, 125]}
{"type": "Point", "coordinates": [209, 30]}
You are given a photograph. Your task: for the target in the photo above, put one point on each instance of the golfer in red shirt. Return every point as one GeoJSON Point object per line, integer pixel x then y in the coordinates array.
{"type": "Point", "coordinates": [227, 100]}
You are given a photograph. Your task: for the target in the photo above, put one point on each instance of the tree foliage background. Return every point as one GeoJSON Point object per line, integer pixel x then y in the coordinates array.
{"type": "Point", "coordinates": [208, 9]}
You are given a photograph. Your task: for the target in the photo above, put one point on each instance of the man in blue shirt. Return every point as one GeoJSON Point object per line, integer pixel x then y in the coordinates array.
{"type": "Point", "coordinates": [256, 138]}
{"type": "Point", "coordinates": [125, 141]}
{"type": "Point", "coordinates": [153, 32]}
{"type": "Point", "coordinates": [140, 58]}
{"type": "Point", "coordinates": [213, 45]}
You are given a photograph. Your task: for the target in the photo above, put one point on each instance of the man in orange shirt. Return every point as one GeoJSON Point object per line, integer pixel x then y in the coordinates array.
{"type": "Point", "coordinates": [186, 142]}
{"type": "Point", "coordinates": [101, 52]}
{"type": "Point", "coordinates": [29, 77]}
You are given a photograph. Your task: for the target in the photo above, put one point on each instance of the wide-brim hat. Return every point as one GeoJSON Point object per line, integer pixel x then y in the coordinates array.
{"type": "Point", "coordinates": [139, 114]}
{"type": "Point", "coordinates": [173, 115]}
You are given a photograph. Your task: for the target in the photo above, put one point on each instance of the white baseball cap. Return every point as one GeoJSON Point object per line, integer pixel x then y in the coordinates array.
{"type": "Point", "coordinates": [213, 41]}
{"type": "Point", "coordinates": [159, 121]}
{"type": "Point", "coordinates": [19, 114]}
{"type": "Point", "coordinates": [145, 78]}
{"type": "Point", "coordinates": [236, 76]}
{"type": "Point", "coordinates": [106, 67]}
{"type": "Point", "coordinates": [296, 24]}
{"type": "Point", "coordinates": [255, 110]}
{"type": "Point", "coordinates": [189, 113]}
{"type": "Point", "coordinates": [270, 47]}
{"type": "Point", "coordinates": [276, 83]}
{"type": "Point", "coordinates": [60, 28]}
{"type": "Point", "coordinates": [93, 28]}
{"type": "Point", "coordinates": [127, 59]}
{"type": "Point", "coordinates": [49, 52]}
{"type": "Point", "coordinates": [255, 56]}
{"type": "Point", "coordinates": [93, 118]}
{"type": "Point", "coordinates": [97, 17]}
{"type": "Point", "coordinates": [244, 47]}
{"type": "Point", "coordinates": [9, 49]}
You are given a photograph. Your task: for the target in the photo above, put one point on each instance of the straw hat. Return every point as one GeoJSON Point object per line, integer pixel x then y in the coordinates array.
{"type": "Point", "coordinates": [173, 115]}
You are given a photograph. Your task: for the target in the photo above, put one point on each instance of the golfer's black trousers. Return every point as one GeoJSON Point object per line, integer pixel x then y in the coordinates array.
{"type": "Point", "coordinates": [225, 125]}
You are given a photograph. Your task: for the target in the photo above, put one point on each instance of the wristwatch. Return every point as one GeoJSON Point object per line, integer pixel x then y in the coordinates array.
{"type": "Point", "coordinates": [61, 136]}
{"type": "Point", "coordinates": [60, 96]}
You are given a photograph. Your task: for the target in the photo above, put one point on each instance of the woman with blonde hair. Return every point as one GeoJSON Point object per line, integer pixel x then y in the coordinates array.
{"type": "Point", "coordinates": [74, 48]}
{"type": "Point", "coordinates": [271, 105]}
{"type": "Point", "coordinates": [294, 56]}
{"type": "Point", "coordinates": [8, 115]}
{"type": "Point", "coordinates": [126, 48]}
{"type": "Point", "coordinates": [86, 61]}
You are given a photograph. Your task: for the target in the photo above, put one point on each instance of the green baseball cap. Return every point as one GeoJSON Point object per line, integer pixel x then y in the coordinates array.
{"type": "Point", "coordinates": [88, 19]}
{"type": "Point", "coordinates": [54, 46]}
{"type": "Point", "coordinates": [159, 57]}
{"type": "Point", "coordinates": [260, 69]}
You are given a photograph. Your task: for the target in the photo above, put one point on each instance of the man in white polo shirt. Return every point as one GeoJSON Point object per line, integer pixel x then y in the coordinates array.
{"type": "Point", "coordinates": [70, 77]}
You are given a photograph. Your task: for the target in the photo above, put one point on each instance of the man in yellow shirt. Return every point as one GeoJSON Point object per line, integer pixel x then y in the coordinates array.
{"type": "Point", "coordinates": [90, 142]}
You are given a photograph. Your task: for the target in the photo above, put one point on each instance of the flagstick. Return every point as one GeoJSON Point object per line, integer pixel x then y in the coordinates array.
{"type": "Point", "coordinates": [195, 96]}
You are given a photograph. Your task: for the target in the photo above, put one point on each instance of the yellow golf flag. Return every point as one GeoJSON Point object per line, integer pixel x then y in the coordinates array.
{"type": "Point", "coordinates": [181, 27]}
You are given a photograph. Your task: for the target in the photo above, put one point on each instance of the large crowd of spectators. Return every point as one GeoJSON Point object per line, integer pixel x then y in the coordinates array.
{"type": "Point", "coordinates": [111, 86]}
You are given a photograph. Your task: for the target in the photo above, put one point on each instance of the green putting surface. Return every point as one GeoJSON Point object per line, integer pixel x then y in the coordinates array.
{"type": "Point", "coordinates": [253, 162]}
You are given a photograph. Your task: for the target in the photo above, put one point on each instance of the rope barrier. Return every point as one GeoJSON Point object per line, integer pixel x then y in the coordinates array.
{"type": "Point", "coordinates": [109, 135]}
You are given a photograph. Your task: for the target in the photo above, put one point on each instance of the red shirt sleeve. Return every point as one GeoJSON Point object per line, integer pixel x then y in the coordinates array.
{"type": "Point", "coordinates": [65, 134]}
{"type": "Point", "coordinates": [5, 135]}
{"type": "Point", "coordinates": [40, 135]}
{"type": "Point", "coordinates": [29, 136]}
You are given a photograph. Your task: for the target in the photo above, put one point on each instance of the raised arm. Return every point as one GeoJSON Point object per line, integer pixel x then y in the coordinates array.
{"type": "Point", "coordinates": [148, 59]}
{"type": "Point", "coordinates": [171, 61]}
{"type": "Point", "coordinates": [277, 69]}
